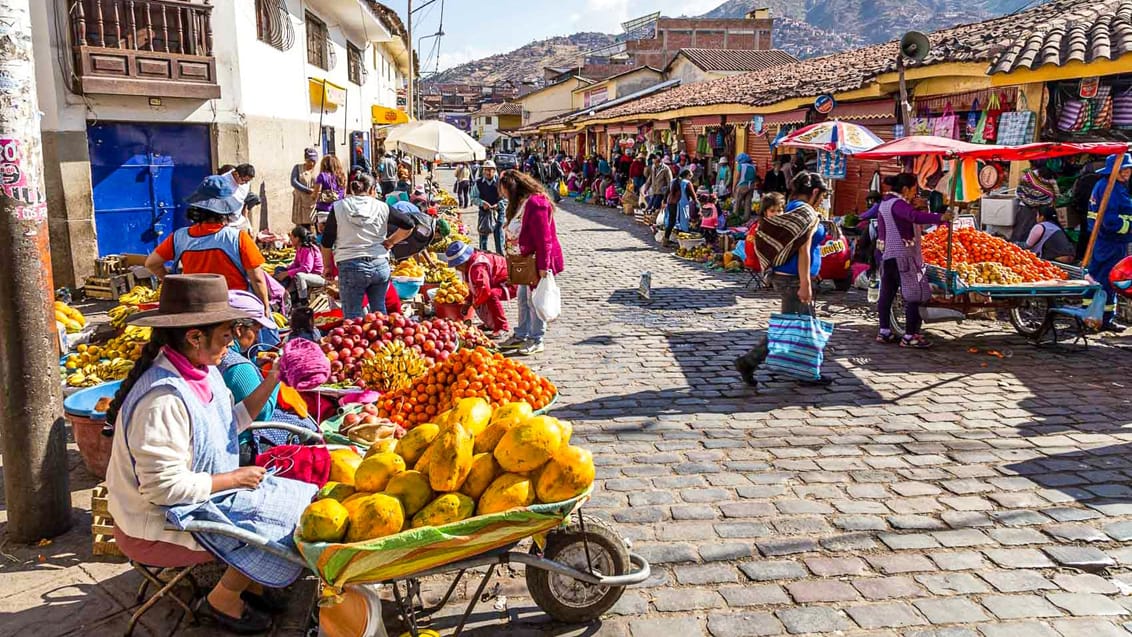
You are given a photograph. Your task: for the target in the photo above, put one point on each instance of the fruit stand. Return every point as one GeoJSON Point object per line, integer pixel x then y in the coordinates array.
{"type": "Point", "coordinates": [974, 273]}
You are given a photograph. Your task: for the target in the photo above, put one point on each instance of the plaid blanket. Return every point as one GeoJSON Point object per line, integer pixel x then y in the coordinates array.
{"type": "Point", "coordinates": [780, 236]}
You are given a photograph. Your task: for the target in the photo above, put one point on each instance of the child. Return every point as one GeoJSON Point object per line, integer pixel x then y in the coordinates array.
{"type": "Point", "coordinates": [709, 216]}
{"type": "Point", "coordinates": [612, 199]}
{"type": "Point", "coordinates": [302, 324]}
{"type": "Point", "coordinates": [772, 204]}
{"type": "Point", "coordinates": [305, 271]}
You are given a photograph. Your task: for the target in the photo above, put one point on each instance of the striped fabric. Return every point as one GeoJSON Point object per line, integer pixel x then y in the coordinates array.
{"type": "Point", "coordinates": [794, 345]}
{"type": "Point", "coordinates": [410, 552]}
{"type": "Point", "coordinates": [779, 237]}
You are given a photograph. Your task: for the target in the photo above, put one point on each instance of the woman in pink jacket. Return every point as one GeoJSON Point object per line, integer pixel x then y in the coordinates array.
{"type": "Point", "coordinates": [529, 230]}
{"type": "Point", "coordinates": [305, 271]}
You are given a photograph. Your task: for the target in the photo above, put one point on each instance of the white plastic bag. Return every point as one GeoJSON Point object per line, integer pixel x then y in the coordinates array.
{"type": "Point", "coordinates": [547, 299]}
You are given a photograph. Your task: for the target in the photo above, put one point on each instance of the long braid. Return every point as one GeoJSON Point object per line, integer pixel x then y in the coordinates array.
{"type": "Point", "coordinates": [158, 339]}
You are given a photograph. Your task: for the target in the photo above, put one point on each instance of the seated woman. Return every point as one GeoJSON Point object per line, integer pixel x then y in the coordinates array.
{"type": "Point", "coordinates": [1048, 240]}
{"type": "Point", "coordinates": [175, 458]}
{"type": "Point", "coordinates": [612, 199]}
{"type": "Point", "coordinates": [243, 378]}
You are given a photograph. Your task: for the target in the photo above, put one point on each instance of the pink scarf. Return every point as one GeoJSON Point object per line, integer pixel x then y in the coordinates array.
{"type": "Point", "coordinates": [196, 377]}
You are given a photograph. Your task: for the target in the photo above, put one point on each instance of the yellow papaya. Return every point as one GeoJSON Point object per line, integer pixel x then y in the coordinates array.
{"type": "Point", "coordinates": [324, 520]}
{"type": "Point", "coordinates": [413, 444]}
{"type": "Point", "coordinates": [528, 445]}
{"type": "Point", "coordinates": [385, 445]}
{"type": "Point", "coordinates": [375, 516]}
{"type": "Point", "coordinates": [450, 458]}
{"type": "Point", "coordinates": [518, 410]}
{"type": "Point", "coordinates": [375, 471]}
{"type": "Point", "coordinates": [568, 474]}
{"type": "Point", "coordinates": [482, 472]}
{"type": "Point", "coordinates": [423, 462]}
{"type": "Point", "coordinates": [412, 489]}
{"type": "Point", "coordinates": [343, 464]}
{"type": "Point", "coordinates": [567, 429]}
{"type": "Point", "coordinates": [448, 508]}
{"type": "Point", "coordinates": [335, 491]}
{"type": "Point", "coordinates": [508, 491]}
{"type": "Point", "coordinates": [490, 436]}
{"type": "Point", "coordinates": [472, 413]}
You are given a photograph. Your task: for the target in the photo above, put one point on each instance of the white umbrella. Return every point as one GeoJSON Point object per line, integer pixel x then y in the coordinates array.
{"type": "Point", "coordinates": [434, 140]}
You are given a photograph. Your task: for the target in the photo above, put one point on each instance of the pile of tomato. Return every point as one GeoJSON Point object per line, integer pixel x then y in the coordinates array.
{"type": "Point", "coordinates": [973, 246]}
{"type": "Point", "coordinates": [468, 373]}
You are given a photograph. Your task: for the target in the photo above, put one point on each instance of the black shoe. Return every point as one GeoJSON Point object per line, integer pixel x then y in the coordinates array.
{"type": "Point", "coordinates": [746, 371]}
{"type": "Point", "coordinates": [820, 381]}
{"type": "Point", "coordinates": [252, 622]}
{"type": "Point", "coordinates": [1114, 326]}
{"type": "Point", "coordinates": [271, 601]}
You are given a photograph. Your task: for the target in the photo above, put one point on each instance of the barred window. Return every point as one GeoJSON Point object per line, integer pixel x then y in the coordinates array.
{"type": "Point", "coordinates": [318, 43]}
{"type": "Point", "coordinates": [273, 24]}
{"type": "Point", "coordinates": [355, 64]}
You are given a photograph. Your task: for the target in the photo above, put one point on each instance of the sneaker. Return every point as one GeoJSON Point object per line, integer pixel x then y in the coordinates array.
{"type": "Point", "coordinates": [887, 338]}
{"type": "Point", "coordinates": [529, 348]}
{"type": "Point", "coordinates": [746, 371]}
{"type": "Point", "coordinates": [820, 381]}
{"type": "Point", "coordinates": [512, 343]}
{"type": "Point", "coordinates": [915, 341]}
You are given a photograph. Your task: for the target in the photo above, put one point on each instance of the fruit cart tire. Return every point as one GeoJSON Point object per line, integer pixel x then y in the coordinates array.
{"type": "Point", "coordinates": [841, 285]}
{"type": "Point", "coordinates": [1028, 317]}
{"type": "Point", "coordinates": [609, 556]}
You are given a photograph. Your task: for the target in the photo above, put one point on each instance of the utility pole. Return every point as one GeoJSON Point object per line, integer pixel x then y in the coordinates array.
{"type": "Point", "coordinates": [32, 435]}
{"type": "Point", "coordinates": [409, 106]}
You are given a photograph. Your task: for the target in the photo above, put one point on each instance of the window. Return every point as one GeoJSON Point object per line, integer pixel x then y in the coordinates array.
{"type": "Point", "coordinates": [318, 43]}
{"type": "Point", "coordinates": [355, 64]}
{"type": "Point", "coordinates": [273, 24]}
{"type": "Point", "coordinates": [487, 121]}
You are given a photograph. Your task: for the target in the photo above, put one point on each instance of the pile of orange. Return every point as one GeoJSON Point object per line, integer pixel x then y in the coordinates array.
{"type": "Point", "coordinates": [468, 373]}
{"type": "Point", "coordinates": [973, 246]}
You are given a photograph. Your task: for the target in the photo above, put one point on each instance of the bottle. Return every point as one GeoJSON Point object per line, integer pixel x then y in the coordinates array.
{"type": "Point", "coordinates": [874, 291]}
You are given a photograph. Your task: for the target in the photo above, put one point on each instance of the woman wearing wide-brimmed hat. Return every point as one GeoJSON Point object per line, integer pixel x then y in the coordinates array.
{"type": "Point", "coordinates": [176, 458]}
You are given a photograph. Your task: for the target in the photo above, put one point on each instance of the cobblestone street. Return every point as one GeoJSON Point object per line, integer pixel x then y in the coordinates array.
{"type": "Point", "coordinates": [925, 493]}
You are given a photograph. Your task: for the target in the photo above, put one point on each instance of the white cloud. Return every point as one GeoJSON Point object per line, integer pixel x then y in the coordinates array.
{"type": "Point", "coordinates": [449, 59]}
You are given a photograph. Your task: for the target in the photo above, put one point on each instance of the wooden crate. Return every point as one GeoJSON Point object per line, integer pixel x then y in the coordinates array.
{"type": "Point", "coordinates": [108, 288]}
{"type": "Point", "coordinates": [101, 524]}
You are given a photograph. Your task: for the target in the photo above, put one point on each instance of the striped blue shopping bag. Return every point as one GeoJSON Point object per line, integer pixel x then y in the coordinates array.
{"type": "Point", "coordinates": [794, 345]}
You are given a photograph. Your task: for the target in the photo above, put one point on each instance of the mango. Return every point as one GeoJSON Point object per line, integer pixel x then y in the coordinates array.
{"type": "Point", "coordinates": [375, 471]}
{"type": "Point", "coordinates": [568, 474]}
{"type": "Point", "coordinates": [335, 491]}
{"type": "Point", "coordinates": [483, 471]}
{"type": "Point", "coordinates": [448, 508]}
{"type": "Point", "coordinates": [324, 520]}
{"type": "Point", "coordinates": [414, 443]}
{"type": "Point", "coordinates": [412, 489]}
{"type": "Point", "coordinates": [528, 445]}
{"type": "Point", "coordinates": [450, 458]}
{"type": "Point", "coordinates": [508, 491]}
{"type": "Point", "coordinates": [487, 440]}
{"type": "Point", "coordinates": [519, 410]}
{"type": "Point", "coordinates": [343, 464]}
{"type": "Point", "coordinates": [472, 413]}
{"type": "Point", "coordinates": [375, 516]}
{"type": "Point", "coordinates": [385, 445]}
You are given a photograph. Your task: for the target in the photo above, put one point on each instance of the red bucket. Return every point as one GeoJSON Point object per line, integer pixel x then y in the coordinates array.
{"type": "Point", "coordinates": [451, 311]}
{"type": "Point", "coordinates": [93, 446]}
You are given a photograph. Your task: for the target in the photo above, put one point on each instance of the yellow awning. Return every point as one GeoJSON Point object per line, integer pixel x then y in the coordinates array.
{"type": "Point", "coordinates": [326, 95]}
{"type": "Point", "coordinates": [383, 115]}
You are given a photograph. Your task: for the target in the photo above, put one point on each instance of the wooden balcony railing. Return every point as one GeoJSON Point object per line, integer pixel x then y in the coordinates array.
{"type": "Point", "coordinates": [160, 48]}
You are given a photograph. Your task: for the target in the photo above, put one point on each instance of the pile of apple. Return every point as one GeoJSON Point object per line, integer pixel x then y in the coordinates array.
{"type": "Point", "coordinates": [347, 345]}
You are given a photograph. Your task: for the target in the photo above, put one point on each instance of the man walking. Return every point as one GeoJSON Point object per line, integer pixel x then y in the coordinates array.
{"type": "Point", "coordinates": [658, 182]}
{"type": "Point", "coordinates": [387, 173]}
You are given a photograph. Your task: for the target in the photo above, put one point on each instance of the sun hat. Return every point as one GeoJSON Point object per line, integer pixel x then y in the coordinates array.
{"type": "Point", "coordinates": [252, 307]}
{"type": "Point", "coordinates": [723, 160]}
{"type": "Point", "coordinates": [458, 253]}
{"type": "Point", "coordinates": [488, 164]}
{"type": "Point", "coordinates": [190, 300]}
{"type": "Point", "coordinates": [311, 154]}
{"type": "Point", "coordinates": [216, 194]}
{"type": "Point", "coordinates": [1110, 163]}
{"type": "Point", "coordinates": [743, 158]}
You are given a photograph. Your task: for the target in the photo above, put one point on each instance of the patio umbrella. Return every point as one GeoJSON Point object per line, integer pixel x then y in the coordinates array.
{"type": "Point", "coordinates": [947, 148]}
{"type": "Point", "coordinates": [834, 135]}
{"type": "Point", "coordinates": [433, 140]}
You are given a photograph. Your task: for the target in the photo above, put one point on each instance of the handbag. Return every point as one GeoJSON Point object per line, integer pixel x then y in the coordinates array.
{"type": "Point", "coordinates": [921, 125]}
{"type": "Point", "coordinates": [1017, 127]}
{"type": "Point", "coordinates": [522, 270]}
{"type": "Point", "coordinates": [973, 117]}
{"type": "Point", "coordinates": [1101, 109]}
{"type": "Point", "coordinates": [994, 112]}
{"type": "Point", "coordinates": [1072, 115]}
{"type": "Point", "coordinates": [1122, 110]}
{"type": "Point", "coordinates": [795, 344]}
{"type": "Point", "coordinates": [947, 124]}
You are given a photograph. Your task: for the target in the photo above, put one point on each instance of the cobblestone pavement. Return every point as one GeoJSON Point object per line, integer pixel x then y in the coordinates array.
{"type": "Point", "coordinates": [938, 492]}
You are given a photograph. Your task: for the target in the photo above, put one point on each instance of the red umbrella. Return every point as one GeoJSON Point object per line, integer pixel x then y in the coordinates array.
{"type": "Point", "coordinates": [948, 148]}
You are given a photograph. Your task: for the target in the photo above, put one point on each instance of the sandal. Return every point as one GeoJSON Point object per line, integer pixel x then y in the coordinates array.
{"type": "Point", "coordinates": [251, 622]}
{"type": "Point", "coordinates": [270, 601]}
{"type": "Point", "coordinates": [915, 342]}
{"type": "Point", "coordinates": [887, 339]}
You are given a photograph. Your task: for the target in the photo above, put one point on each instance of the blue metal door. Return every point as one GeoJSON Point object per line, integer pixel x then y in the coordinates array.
{"type": "Point", "coordinates": [142, 174]}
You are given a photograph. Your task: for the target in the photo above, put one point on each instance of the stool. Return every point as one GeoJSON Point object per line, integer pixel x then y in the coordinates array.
{"type": "Point", "coordinates": [152, 575]}
{"type": "Point", "coordinates": [1081, 316]}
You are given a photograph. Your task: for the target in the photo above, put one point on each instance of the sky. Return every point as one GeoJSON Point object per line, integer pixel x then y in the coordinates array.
{"type": "Point", "coordinates": [478, 28]}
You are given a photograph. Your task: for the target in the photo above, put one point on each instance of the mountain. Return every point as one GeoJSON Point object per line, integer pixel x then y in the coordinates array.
{"type": "Point", "coordinates": [525, 62]}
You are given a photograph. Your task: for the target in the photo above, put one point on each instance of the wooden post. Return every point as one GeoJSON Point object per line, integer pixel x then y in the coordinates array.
{"type": "Point", "coordinates": [1100, 215]}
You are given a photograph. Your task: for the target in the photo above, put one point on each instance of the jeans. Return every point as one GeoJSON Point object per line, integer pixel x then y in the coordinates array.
{"type": "Point", "coordinates": [670, 221]}
{"type": "Point", "coordinates": [531, 327]}
{"type": "Point", "coordinates": [361, 278]}
{"type": "Point", "coordinates": [500, 219]}
{"type": "Point", "coordinates": [889, 284]}
{"type": "Point", "coordinates": [464, 193]}
{"type": "Point", "coordinates": [637, 183]}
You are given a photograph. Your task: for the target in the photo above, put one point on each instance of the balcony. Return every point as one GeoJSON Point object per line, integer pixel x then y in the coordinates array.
{"type": "Point", "coordinates": [156, 48]}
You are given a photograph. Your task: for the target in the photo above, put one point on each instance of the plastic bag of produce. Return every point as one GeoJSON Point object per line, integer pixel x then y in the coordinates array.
{"type": "Point", "coordinates": [547, 299]}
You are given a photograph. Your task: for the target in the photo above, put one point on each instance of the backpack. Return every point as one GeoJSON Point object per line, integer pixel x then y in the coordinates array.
{"type": "Point", "coordinates": [424, 229]}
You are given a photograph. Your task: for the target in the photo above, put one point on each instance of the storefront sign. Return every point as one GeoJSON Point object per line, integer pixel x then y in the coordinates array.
{"type": "Point", "coordinates": [758, 125]}
{"type": "Point", "coordinates": [1088, 87]}
{"type": "Point", "coordinates": [595, 97]}
{"type": "Point", "coordinates": [824, 104]}
{"type": "Point", "coordinates": [832, 165]}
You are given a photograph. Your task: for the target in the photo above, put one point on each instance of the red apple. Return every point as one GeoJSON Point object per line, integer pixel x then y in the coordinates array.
{"type": "Point", "coordinates": [351, 419]}
{"type": "Point", "coordinates": [370, 409]}
{"type": "Point", "coordinates": [372, 334]}
{"type": "Point", "coordinates": [358, 352]}
{"type": "Point", "coordinates": [398, 331]}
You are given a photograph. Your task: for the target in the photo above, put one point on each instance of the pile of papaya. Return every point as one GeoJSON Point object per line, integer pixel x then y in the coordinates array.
{"type": "Point", "coordinates": [470, 460]}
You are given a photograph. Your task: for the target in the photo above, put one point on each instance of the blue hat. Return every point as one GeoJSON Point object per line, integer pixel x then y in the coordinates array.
{"type": "Point", "coordinates": [216, 194]}
{"type": "Point", "coordinates": [743, 158]}
{"type": "Point", "coordinates": [458, 253]}
{"type": "Point", "coordinates": [1110, 164]}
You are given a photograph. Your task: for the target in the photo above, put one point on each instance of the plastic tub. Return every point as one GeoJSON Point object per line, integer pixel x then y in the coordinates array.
{"type": "Point", "coordinates": [688, 244]}
{"type": "Point", "coordinates": [451, 311]}
{"type": "Point", "coordinates": [86, 424]}
{"type": "Point", "coordinates": [407, 287]}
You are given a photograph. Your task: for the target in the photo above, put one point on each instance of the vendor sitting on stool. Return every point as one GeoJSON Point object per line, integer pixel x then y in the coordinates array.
{"type": "Point", "coordinates": [486, 276]}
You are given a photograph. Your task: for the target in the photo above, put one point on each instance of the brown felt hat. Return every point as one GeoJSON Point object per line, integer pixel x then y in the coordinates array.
{"type": "Point", "coordinates": [190, 300]}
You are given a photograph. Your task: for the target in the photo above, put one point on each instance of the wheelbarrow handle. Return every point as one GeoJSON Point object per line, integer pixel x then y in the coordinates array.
{"type": "Point", "coordinates": [642, 570]}
{"type": "Point", "coordinates": [279, 550]}
{"type": "Point", "coordinates": [306, 436]}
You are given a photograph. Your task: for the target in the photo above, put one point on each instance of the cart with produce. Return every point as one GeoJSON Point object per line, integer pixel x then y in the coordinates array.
{"type": "Point", "coordinates": [975, 274]}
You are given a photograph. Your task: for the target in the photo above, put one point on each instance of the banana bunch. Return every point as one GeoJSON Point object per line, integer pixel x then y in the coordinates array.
{"type": "Point", "coordinates": [441, 273]}
{"type": "Point", "coordinates": [100, 372]}
{"type": "Point", "coordinates": [280, 255]}
{"type": "Point", "coordinates": [452, 292]}
{"type": "Point", "coordinates": [393, 367]}
{"type": "Point", "coordinates": [138, 295]}
{"type": "Point", "coordinates": [73, 320]}
{"type": "Point", "coordinates": [409, 269]}
{"type": "Point", "coordinates": [119, 314]}
{"type": "Point", "coordinates": [280, 320]}
{"type": "Point", "coordinates": [441, 244]}
{"type": "Point", "coordinates": [124, 347]}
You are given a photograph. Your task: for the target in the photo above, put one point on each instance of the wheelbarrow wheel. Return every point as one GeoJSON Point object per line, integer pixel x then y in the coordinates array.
{"type": "Point", "coordinates": [1029, 316]}
{"type": "Point", "coordinates": [565, 598]}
